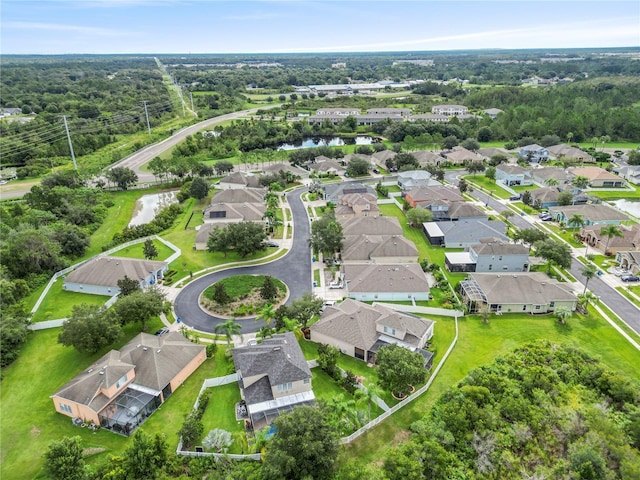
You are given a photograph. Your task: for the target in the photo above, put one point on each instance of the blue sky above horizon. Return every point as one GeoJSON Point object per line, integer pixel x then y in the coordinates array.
{"type": "Point", "coordinates": [274, 26]}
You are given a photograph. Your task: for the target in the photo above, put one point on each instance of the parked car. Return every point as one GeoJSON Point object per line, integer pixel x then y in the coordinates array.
{"type": "Point", "coordinates": [514, 197]}
{"type": "Point", "coordinates": [630, 278]}
{"type": "Point", "coordinates": [375, 170]}
{"type": "Point", "coordinates": [335, 285]}
{"type": "Point", "coordinates": [162, 331]}
{"type": "Point", "coordinates": [272, 244]}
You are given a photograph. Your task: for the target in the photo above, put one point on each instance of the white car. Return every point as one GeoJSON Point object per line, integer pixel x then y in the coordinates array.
{"type": "Point", "coordinates": [335, 285]}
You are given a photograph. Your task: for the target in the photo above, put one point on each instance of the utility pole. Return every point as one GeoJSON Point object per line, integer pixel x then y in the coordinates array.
{"type": "Point", "coordinates": [73, 155]}
{"type": "Point", "coordinates": [146, 114]}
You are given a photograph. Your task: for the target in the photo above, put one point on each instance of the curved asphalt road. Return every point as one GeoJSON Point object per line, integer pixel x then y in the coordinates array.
{"type": "Point", "coordinates": [294, 269]}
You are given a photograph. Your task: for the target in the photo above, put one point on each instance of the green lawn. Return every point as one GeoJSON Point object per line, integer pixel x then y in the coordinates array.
{"type": "Point", "coordinates": [631, 298]}
{"type": "Point", "coordinates": [487, 185]}
{"type": "Point", "coordinates": [479, 344]}
{"type": "Point", "coordinates": [59, 303]}
{"type": "Point", "coordinates": [136, 251]}
{"type": "Point", "coordinates": [566, 233]}
{"type": "Point", "coordinates": [220, 413]}
{"type": "Point", "coordinates": [617, 194]}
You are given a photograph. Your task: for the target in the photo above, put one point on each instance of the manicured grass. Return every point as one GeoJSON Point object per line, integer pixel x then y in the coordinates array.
{"type": "Point", "coordinates": [241, 285]}
{"type": "Point", "coordinates": [136, 251]}
{"type": "Point", "coordinates": [220, 413]}
{"type": "Point", "coordinates": [631, 298]}
{"type": "Point", "coordinates": [566, 234]}
{"type": "Point", "coordinates": [325, 387]}
{"type": "Point", "coordinates": [617, 194]}
{"type": "Point", "coordinates": [488, 186]}
{"type": "Point", "coordinates": [316, 277]}
{"type": "Point", "coordinates": [59, 303]}
{"type": "Point", "coordinates": [479, 344]}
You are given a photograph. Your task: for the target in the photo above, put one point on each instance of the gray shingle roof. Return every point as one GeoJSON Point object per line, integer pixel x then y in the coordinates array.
{"type": "Point", "coordinates": [239, 195]}
{"type": "Point", "coordinates": [369, 247]}
{"type": "Point", "coordinates": [371, 226]}
{"type": "Point", "coordinates": [500, 248]}
{"type": "Point", "coordinates": [371, 278]}
{"type": "Point", "coordinates": [106, 271]}
{"type": "Point", "coordinates": [522, 288]}
{"type": "Point", "coordinates": [473, 230]}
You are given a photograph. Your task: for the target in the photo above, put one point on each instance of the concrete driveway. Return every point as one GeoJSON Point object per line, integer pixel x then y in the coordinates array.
{"type": "Point", "coordinates": [294, 269]}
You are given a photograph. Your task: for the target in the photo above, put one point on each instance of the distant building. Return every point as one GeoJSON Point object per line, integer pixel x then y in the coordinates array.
{"type": "Point", "coordinates": [450, 110]}
{"type": "Point", "coordinates": [534, 153]}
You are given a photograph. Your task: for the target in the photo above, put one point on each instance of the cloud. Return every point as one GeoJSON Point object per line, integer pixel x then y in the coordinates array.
{"type": "Point", "coordinates": [59, 27]}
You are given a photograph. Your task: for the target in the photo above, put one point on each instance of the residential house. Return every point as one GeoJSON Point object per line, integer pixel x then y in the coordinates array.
{"type": "Point", "coordinates": [380, 248]}
{"type": "Point", "coordinates": [371, 118]}
{"type": "Point", "coordinates": [247, 195]}
{"type": "Point", "coordinates": [492, 113]}
{"type": "Point", "coordinates": [403, 112]}
{"type": "Point", "coordinates": [592, 214]}
{"type": "Point", "coordinates": [598, 177]}
{"type": "Point", "coordinates": [285, 167]}
{"type": "Point", "coordinates": [342, 112]}
{"type": "Point", "coordinates": [513, 175]}
{"type": "Point", "coordinates": [463, 211]}
{"type": "Point", "coordinates": [431, 117]}
{"type": "Point", "coordinates": [567, 151]}
{"type": "Point", "coordinates": [357, 205]}
{"type": "Point", "coordinates": [385, 282]}
{"type": "Point", "coordinates": [360, 330]}
{"type": "Point", "coordinates": [380, 158]}
{"type": "Point", "coordinates": [125, 386]}
{"type": "Point", "coordinates": [460, 155]}
{"type": "Point", "coordinates": [464, 233]}
{"type": "Point", "coordinates": [234, 212]}
{"type": "Point", "coordinates": [548, 175]}
{"type": "Point", "coordinates": [426, 196]}
{"type": "Point", "coordinates": [328, 167]}
{"type": "Point", "coordinates": [533, 153]}
{"type": "Point", "coordinates": [333, 191]}
{"type": "Point", "coordinates": [426, 157]}
{"type": "Point", "coordinates": [239, 180]}
{"type": "Point", "coordinates": [532, 292]}
{"type": "Point", "coordinates": [630, 240]}
{"type": "Point", "coordinates": [630, 173]}
{"type": "Point", "coordinates": [450, 110]}
{"type": "Point", "coordinates": [488, 153]}
{"type": "Point", "coordinates": [629, 260]}
{"type": "Point", "coordinates": [489, 256]}
{"type": "Point", "coordinates": [100, 275]}
{"type": "Point", "coordinates": [370, 226]}
{"type": "Point", "coordinates": [413, 179]}
{"type": "Point", "coordinates": [274, 377]}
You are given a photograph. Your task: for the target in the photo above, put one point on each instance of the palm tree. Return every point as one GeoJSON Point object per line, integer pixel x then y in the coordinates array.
{"type": "Point", "coordinates": [265, 332]}
{"type": "Point", "coordinates": [604, 139]}
{"type": "Point", "coordinates": [576, 220]}
{"type": "Point", "coordinates": [610, 231]}
{"type": "Point", "coordinates": [585, 299]}
{"type": "Point", "coordinates": [562, 314]}
{"type": "Point", "coordinates": [581, 182]}
{"type": "Point", "coordinates": [371, 392]}
{"type": "Point", "coordinates": [569, 137]}
{"type": "Point", "coordinates": [551, 182]}
{"type": "Point", "coordinates": [229, 329]}
{"type": "Point", "coordinates": [292, 325]}
{"type": "Point", "coordinates": [267, 313]}
{"type": "Point", "coordinates": [588, 271]}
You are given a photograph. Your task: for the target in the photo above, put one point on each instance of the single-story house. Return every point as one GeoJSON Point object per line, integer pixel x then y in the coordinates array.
{"type": "Point", "coordinates": [629, 260]}
{"type": "Point", "coordinates": [357, 205]}
{"type": "Point", "coordinates": [512, 175]}
{"type": "Point", "coordinates": [385, 282]}
{"type": "Point", "coordinates": [274, 377]}
{"type": "Point", "coordinates": [413, 179]}
{"type": "Point", "coordinates": [100, 275]}
{"type": "Point", "coordinates": [285, 167]}
{"type": "Point", "coordinates": [547, 175]}
{"type": "Point", "coordinates": [464, 233]}
{"type": "Point", "coordinates": [459, 155]}
{"type": "Point", "coordinates": [489, 256]}
{"type": "Point", "coordinates": [488, 153]}
{"type": "Point", "coordinates": [370, 226]}
{"type": "Point", "coordinates": [533, 153]}
{"type": "Point", "coordinates": [630, 239]}
{"type": "Point", "coordinates": [125, 386]}
{"type": "Point", "coordinates": [234, 212]}
{"type": "Point", "coordinates": [426, 157]}
{"type": "Point", "coordinates": [548, 197]}
{"type": "Point", "coordinates": [239, 180]}
{"type": "Point", "coordinates": [532, 292]}
{"type": "Point", "coordinates": [381, 248]}
{"type": "Point", "coordinates": [630, 173]}
{"type": "Point", "coordinates": [236, 195]}
{"type": "Point", "coordinates": [598, 177]}
{"type": "Point", "coordinates": [592, 214]}
{"type": "Point", "coordinates": [567, 151]}
{"type": "Point", "coordinates": [359, 330]}
{"type": "Point", "coordinates": [380, 158]}
{"type": "Point", "coordinates": [203, 233]}
{"type": "Point", "coordinates": [328, 167]}
{"type": "Point", "coordinates": [426, 196]}
{"type": "Point", "coordinates": [463, 211]}
{"type": "Point", "coordinates": [333, 191]}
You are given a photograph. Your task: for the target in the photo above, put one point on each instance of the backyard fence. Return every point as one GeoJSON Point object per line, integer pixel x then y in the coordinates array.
{"type": "Point", "coordinates": [445, 312]}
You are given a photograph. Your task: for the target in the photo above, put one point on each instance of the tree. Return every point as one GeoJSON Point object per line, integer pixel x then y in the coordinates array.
{"type": "Point", "coordinates": [417, 216]}
{"type": "Point", "coordinates": [89, 328]}
{"type": "Point", "coordinates": [245, 238]}
{"type": "Point", "coordinates": [229, 328]}
{"type": "Point", "coordinates": [588, 272]}
{"type": "Point", "coordinates": [149, 249]}
{"type": "Point", "coordinates": [406, 161]}
{"type": "Point", "coordinates": [191, 430]}
{"type": "Point", "coordinates": [13, 332]}
{"type": "Point", "coordinates": [305, 308]}
{"type": "Point", "coordinates": [140, 306]}
{"type": "Point", "coordinates": [267, 313]}
{"type": "Point", "coordinates": [551, 182]}
{"type": "Point", "coordinates": [127, 286]}
{"type": "Point", "coordinates": [565, 198]}
{"type": "Point", "coordinates": [475, 167]}
{"type": "Point", "coordinates": [585, 299]}
{"type": "Point", "coordinates": [470, 144]}
{"type": "Point", "coordinates": [530, 236]}
{"type": "Point", "coordinates": [217, 439]}
{"type": "Point", "coordinates": [328, 359]}
{"type": "Point", "coordinates": [562, 314]}
{"type": "Point", "coordinates": [199, 188]}
{"type": "Point", "coordinates": [220, 295]}
{"type": "Point", "coordinates": [358, 167]}
{"type": "Point", "coordinates": [577, 221]}
{"type": "Point", "coordinates": [490, 173]}
{"type": "Point", "coordinates": [64, 460]}
{"type": "Point", "coordinates": [610, 231]}
{"type": "Point", "coordinates": [305, 446]}
{"type": "Point", "coordinates": [463, 186]}
{"type": "Point", "coordinates": [371, 393]}
{"type": "Point", "coordinates": [507, 213]}
{"type": "Point", "coordinates": [581, 182]}
{"type": "Point", "coordinates": [123, 177]}
{"type": "Point", "coordinates": [399, 369]}
{"type": "Point", "coordinates": [146, 455]}
{"type": "Point", "coordinates": [554, 252]}
{"type": "Point", "coordinates": [221, 167]}
{"type": "Point", "coordinates": [326, 235]}
{"type": "Point", "coordinates": [526, 197]}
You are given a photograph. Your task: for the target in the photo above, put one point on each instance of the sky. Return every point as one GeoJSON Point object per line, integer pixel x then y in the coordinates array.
{"type": "Point", "coordinates": [277, 26]}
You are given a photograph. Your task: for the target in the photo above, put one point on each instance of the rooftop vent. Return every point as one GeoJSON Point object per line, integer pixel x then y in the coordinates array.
{"type": "Point", "coordinates": [90, 370]}
{"type": "Point", "coordinates": [101, 372]}
{"type": "Point", "coordinates": [145, 348]}
{"type": "Point", "coordinates": [275, 349]}
{"type": "Point", "coordinates": [158, 351]}
{"type": "Point", "coordinates": [138, 346]}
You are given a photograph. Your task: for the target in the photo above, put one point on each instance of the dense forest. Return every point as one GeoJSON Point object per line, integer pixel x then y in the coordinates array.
{"type": "Point", "coordinates": [542, 411]}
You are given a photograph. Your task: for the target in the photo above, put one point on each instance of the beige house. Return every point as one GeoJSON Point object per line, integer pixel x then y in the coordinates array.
{"type": "Point", "coordinates": [125, 386]}
{"type": "Point", "coordinates": [385, 282]}
{"type": "Point", "coordinates": [234, 212]}
{"type": "Point", "coordinates": [245, 195]}
{"type": "Point", "coordinates": [359, 330]}
{"type": "Point", "coordinates": [630, 239]}
{"type": "Point", "coordinates": [239, 180]}
{"type": "Point", "coordinates": [598, 177]}
{"type": "Point", "coordinates": [357, 205]}
{"type": "Point", "coordinates": [370, 226]}
{"type": "Point", "coordinates": [273, 376]}
{"type": "Point", "coordinates": [567, 151]}
{"type": "Point", "coordinates": [378, 249]}
{"type": "Point", "coordinates": [533, 293]}
{"type": "Point", "coordinates": [459, 155]}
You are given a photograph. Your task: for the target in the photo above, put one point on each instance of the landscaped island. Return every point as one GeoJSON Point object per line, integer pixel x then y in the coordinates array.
{"type": "Point", "coordinates": [243, 295]}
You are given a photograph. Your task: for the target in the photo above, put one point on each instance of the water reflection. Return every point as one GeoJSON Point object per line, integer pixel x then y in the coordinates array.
{"type": "Point", "coordinates": [629, 206]}
{"type": "Point", "coordinates": [315, 142]}
{"type": "Point", "coordinates": [148, 206]}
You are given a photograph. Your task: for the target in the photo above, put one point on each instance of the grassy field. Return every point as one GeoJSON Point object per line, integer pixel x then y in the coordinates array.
{"type": "Point", "coordinates": [613, 194]}
{"type": "Point", "coordinates": [136, 251]}
{"type": "Point", "coordinates": [487, 185]}
{"type": "Point", "coordinates": [220, 413]}
{"type": "Point", "coordinates": [59, 303]}
{"type": "Point", "coordinates": [479, 344]}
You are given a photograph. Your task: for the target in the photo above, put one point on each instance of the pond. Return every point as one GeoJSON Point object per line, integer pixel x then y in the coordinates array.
{"type": "Point", "coordinates": [148, 206]}
{"type": "Point", "coordinates": [629, 206]}
{"type": "Point", "coordinates": [315, 142]}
